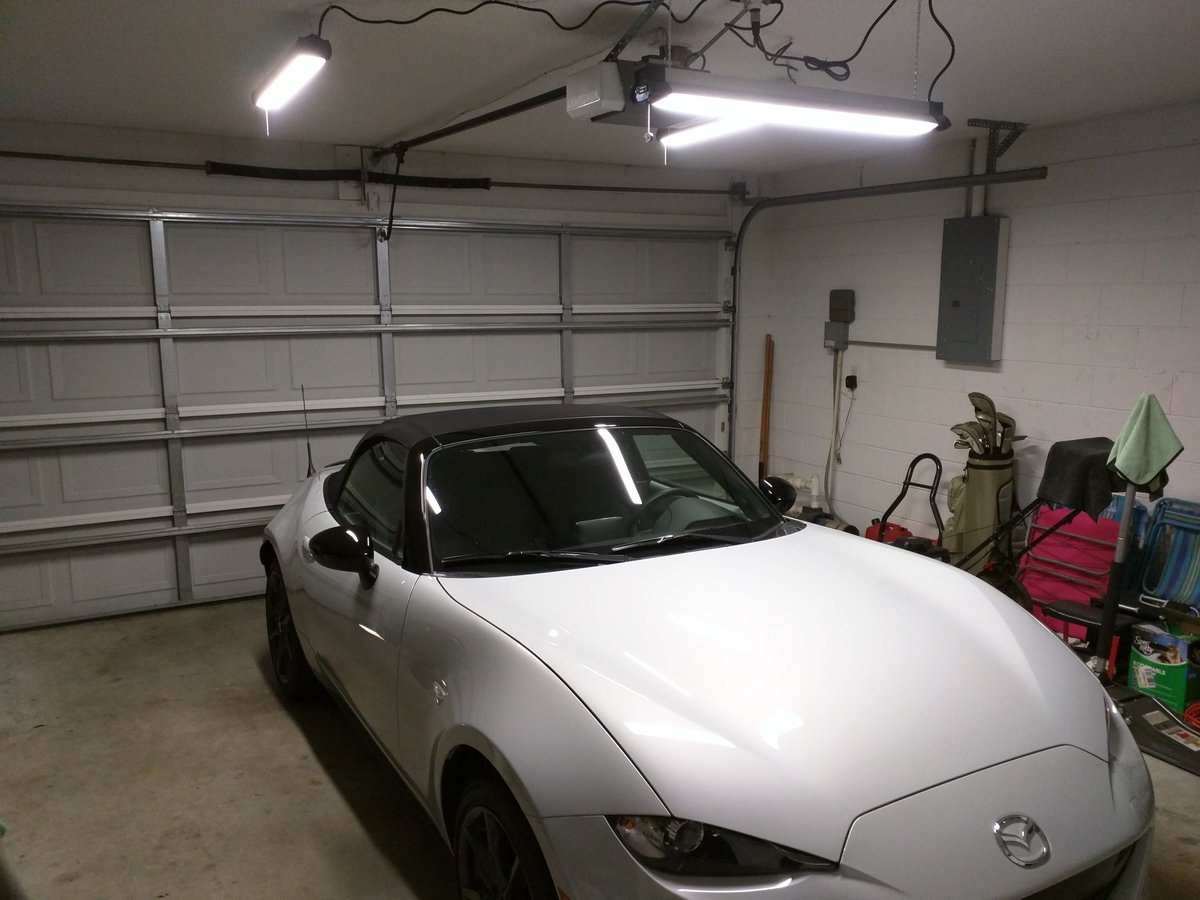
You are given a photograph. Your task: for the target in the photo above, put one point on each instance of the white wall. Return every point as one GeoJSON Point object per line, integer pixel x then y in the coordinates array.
{"type": "Point", "coordinates": [1103, 304]}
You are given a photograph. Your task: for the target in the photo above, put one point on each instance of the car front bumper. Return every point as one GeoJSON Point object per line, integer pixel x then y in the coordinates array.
{"type": "Point", "coordinates": [932, 845]}
{"type": "Point", "coordinates": [593, 865]}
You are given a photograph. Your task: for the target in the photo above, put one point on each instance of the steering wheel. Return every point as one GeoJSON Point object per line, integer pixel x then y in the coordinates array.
{"type": "Point", "coordinates": [644, 517]}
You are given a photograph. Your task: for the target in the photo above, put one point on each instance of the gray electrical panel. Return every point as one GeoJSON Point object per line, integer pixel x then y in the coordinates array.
{"type": "Point", "coordinates": [971, 300]}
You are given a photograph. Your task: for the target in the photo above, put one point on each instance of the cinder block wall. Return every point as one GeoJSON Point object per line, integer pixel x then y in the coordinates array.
{"type": "Point", "coordinates": [1103, 304]}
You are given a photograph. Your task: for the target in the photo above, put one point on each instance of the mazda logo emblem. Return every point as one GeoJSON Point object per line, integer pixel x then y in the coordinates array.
{"type": "Point", "coordinates": [1022, 840]}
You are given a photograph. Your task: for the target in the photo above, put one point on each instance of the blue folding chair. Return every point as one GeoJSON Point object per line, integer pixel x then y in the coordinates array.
{"type": "Point", "coordinates": [1170, 570]}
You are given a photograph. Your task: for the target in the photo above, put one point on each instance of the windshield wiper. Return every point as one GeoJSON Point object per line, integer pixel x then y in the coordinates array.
{"type": "Point", "coordinates": [679, 537]}
{"type": "Point", "coordinates": [566, 557]}
{"type": "Point", "coordinates": [787, 526]}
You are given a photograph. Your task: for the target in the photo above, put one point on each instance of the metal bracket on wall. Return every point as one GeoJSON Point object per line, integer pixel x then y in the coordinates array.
{"type": "Point", "coordinates": [998, 146]}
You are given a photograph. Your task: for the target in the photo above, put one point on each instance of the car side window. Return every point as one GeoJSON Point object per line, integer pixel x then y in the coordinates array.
{"type": "Point", "coordinates": [373, 495]}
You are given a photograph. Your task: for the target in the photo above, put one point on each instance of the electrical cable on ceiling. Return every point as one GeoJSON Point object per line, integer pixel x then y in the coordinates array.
{"type": "Point", "coordinates": [837, 69]}
{"type": "Point", "coordinates": [509, 4]}
{"type": "Point", "coordinates": [949, 37]}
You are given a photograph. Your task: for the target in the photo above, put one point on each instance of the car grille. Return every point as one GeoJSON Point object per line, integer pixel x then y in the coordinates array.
{"type": "Point", "coordinates": [1090, 884]}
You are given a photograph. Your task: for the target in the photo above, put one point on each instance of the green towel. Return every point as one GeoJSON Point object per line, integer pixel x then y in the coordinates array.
{"type": "Point", "coordinates": [1146, 446]}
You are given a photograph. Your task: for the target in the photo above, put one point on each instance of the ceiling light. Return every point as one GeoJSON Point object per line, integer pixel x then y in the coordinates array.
{"type": "Point", "coordinates": [703, 96]}
{"type": "Point", "coordinates": [305, 60]}
{"type": "Point", "coordinates": [686, 136]}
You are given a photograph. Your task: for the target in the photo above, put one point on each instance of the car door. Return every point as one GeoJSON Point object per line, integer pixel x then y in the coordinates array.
{"type": "Point", "coordinates": [357, 620]}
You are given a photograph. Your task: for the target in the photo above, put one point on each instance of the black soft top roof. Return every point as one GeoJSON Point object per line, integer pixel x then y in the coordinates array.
{"type": "Point", "coordinates": [451, 425]}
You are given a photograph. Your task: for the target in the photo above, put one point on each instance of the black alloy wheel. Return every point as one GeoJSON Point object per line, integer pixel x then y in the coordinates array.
{"type": "Point", "coordinates": [497, 855]}
{"type": "Point", "coordinates": [295, 678]}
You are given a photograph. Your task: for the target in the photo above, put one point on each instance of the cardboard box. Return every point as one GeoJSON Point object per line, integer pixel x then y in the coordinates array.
{"type": "Point", "coordinates": [1165, 666]}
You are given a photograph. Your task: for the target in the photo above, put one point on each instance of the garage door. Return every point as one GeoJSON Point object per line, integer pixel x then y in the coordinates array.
{"type": "Point", "coordinates": [155, 369]}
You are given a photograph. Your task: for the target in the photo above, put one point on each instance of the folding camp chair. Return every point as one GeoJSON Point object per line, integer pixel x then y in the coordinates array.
{"type": "Point", "coordinates": [1169, 573]}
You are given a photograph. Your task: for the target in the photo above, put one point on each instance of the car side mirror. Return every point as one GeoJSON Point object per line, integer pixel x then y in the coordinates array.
{"type": "Point", "coordinates": [346, 550]}
{"type": "Point", "coordinates": [781, 494]}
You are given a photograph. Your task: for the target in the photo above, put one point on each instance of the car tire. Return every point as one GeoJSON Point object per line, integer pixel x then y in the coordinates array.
{"type": "Point", "coordinates": [292, 672]}
{"type": "Point", "coordinates": [496, 853]}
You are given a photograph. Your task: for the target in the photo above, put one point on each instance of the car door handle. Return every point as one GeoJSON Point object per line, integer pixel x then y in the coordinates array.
{"type": "Point", "coordinates": [305, 551]}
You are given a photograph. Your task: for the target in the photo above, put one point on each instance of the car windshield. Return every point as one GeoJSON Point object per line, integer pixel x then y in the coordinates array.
{"type": "Point", "coordinates": [585, 497]}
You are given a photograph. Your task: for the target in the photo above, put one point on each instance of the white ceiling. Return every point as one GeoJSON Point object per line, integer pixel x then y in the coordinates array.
{"type": "Point", "coordinates": [190, 66]}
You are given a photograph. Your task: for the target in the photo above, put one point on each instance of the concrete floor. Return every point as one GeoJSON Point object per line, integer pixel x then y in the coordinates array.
{"type": "Point", "coordinates": [150, 757]}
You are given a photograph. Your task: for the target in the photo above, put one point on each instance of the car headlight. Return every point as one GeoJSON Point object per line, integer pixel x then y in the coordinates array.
{"type": "Point", "coordinates": [686, 847]}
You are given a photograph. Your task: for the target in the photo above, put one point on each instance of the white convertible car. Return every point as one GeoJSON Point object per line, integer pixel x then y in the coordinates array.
{"type": "Point", "coordinates": [608, 667]}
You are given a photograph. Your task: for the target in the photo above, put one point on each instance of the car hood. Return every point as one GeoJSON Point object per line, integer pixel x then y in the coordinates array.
{"type": "Point", "coordinates": [782, 688]}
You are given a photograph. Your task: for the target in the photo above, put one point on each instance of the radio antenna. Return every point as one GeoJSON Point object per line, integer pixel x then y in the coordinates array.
{"type": "Point", "coordinates": [312, 470]}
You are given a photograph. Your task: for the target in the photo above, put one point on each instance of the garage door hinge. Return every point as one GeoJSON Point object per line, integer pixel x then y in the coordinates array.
{"type": "Point", "coordinates": [727, 384]}
{"type": "Point", "coordinates": [727, 307]}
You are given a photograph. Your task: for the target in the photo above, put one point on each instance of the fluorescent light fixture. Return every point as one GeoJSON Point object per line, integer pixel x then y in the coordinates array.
{"type": "Point", "coordinates": [740, 103]}
{"type": "Point", "coordinates": [304, 62]}
{"type": "Point", "coordinates": [686, 136]}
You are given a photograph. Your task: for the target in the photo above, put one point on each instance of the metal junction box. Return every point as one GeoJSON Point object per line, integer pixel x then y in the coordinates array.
{"type": "Point", "coordinates": [971, 300]}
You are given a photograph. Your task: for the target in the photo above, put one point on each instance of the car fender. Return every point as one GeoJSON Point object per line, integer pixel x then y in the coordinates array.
{"type": "Point", "coordinates": [464, 684]}
{"type": "Point", "coordinates": [281, 537]}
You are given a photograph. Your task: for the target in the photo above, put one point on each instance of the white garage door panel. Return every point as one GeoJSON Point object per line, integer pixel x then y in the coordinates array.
{"type": "Point", "coordinates": [520, 269]}
{"type": "Point", "coordinates": [55, 264]}
{"type": "Point", "coordinates": [606, 357]}
{"type": "Point", "coordinates": [213, 265]}
{"type": "Point", "coordinates": [93, 258]}
{"type": "Point", "coordinates": [58, 379]}
{"type": "Point", "coordinates": [487, 270]}
{"type": "Point", "coordinates": [81, 483]}
{"type": "Point", "coordinates": [27, 586]}
{"type": "Point", "coordinates": [233, 371]}
{"type": "Point", "coordinates": [210, 263]}
{"type": "Point", "coordinates": [681, 355]}
{"type": "Point", "coordinates": [226, 565]}
{"type": "Point", "coordinates": [242, 469]}
{"type": "Point", "coordinates": [127, 371]}
{"type": "Point", "coordinates": [137, 470]}
{"type": "Point", "coordinates": [606, 271]}
{"type": "Point", "coordinates": [336, 362]}
{"type": "Point", "coordinates": [10, 278]}
{"type": "Point", "coordinates": [485, 363]}
{"type": "Point", "coordinates": [334, 265]}
{"type": "Point", "coordinates": [681, 271]}
{"type": "Point", "coordinates": [111, 574]}
{"type": "Point", "coordinates": [20, 483]}
{"type": "Point", "coordinates": [658, 357]}
{"type": "Point", "coordinates": [84, 583]}
{"type": "Point", "coordinates": [15, 377]}
{"type": "Point", "coordinates": [214, 371]}
{"type": "Point", "coordinates": [120, 474]}
{"type": "Point", "coordinates": [438, 264]}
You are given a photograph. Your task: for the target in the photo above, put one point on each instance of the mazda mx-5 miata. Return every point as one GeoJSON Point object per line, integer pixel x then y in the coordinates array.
{"type": "Point", "coordinates": [608, 667]}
